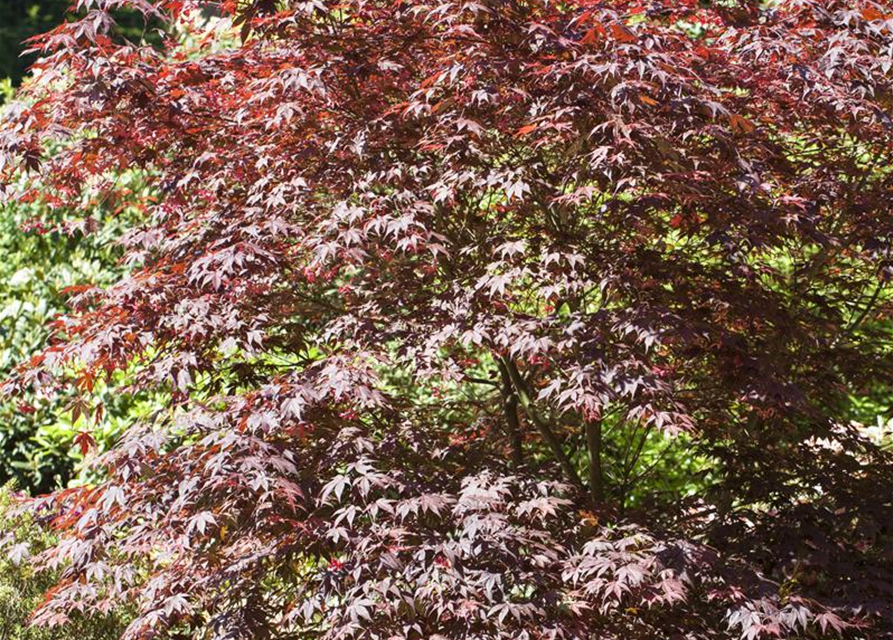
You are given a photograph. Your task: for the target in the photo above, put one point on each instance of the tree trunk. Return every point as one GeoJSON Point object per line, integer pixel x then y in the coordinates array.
{"type": "Point", "coordinates": [594, 444]}
{"type": "Point", "coordinates": [510, 407]}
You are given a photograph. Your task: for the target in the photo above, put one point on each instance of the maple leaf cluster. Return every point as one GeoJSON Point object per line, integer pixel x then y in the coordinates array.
{"type": "Point", "coordinates": [420, 281]}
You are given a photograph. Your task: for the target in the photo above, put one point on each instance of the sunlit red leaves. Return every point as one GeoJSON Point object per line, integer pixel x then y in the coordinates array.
{"type": "Point", "coordinates": [740, 124]}
{"type": "Point", "coordinates": [622, 34]}
{"type": "Point", "coordinates": [871, 13]}
{"type": "Point", "coordinates": [85, 441]}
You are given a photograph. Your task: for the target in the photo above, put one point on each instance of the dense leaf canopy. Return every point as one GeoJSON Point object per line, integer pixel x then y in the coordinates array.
{"type": "Point", "coordinates": [476, 319]}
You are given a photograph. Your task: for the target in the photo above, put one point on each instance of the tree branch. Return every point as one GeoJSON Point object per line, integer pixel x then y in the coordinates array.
{"type": "Point", "coordinates": [541, 425]}
{"type": "Point", "coordinates": [510, 407]}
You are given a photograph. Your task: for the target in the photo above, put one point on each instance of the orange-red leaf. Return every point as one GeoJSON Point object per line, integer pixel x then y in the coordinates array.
{"type": "Point", "coordinates": [622, 34]}
{"type": "Point", "coordinates": [85, 440]}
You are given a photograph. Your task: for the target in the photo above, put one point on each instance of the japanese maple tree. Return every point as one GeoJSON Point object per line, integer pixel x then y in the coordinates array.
{"type": "Point", "coordinates": [440, 294]}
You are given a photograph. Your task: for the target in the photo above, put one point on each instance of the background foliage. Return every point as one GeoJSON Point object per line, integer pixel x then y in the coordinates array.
{"type": "Point", "coordinates": [36, 437]}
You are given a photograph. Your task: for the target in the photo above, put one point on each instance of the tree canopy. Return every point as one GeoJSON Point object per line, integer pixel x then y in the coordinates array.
{"type": "Point", "coordinates": [474, 319]}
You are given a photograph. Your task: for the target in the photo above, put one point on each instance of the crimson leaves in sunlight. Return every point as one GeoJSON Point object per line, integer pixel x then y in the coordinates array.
{"type": "Point", "coordinates": [442, 294]}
